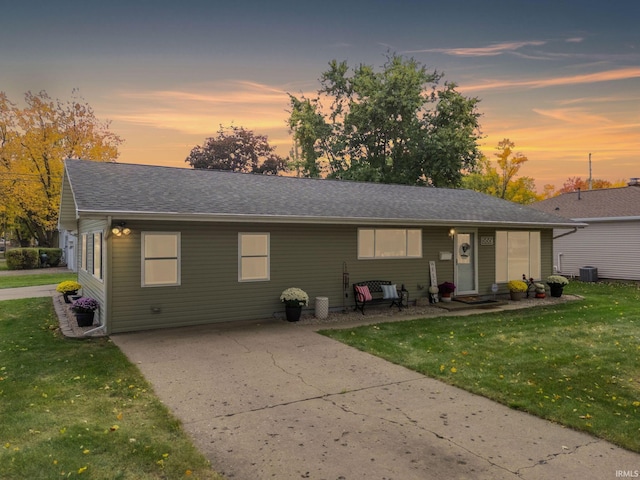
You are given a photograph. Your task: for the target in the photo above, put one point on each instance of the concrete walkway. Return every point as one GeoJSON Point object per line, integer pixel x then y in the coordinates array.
{"type": "Point", "coordinates": [277, 400]}
{"type": "Point", "coordinates": [28, 292]}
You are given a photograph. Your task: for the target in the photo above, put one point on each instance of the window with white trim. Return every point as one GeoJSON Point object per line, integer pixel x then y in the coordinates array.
{"type": "Point", "coordinates": [253, 257]}
{"type": "Point", "coordinates": [389, 243]}
{"type": "Point", "coordinates": [97, 255]}
{"type": "Point", "coordinates": [517, 253]}
{"type": "Point", "coordinates": [160, 259]}
{"type": "Point", "coordinates": [83, 252]}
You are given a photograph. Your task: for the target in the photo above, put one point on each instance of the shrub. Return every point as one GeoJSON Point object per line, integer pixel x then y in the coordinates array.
{"type": "Point", "coordinates": [22, 258]}
{"type": "Point", "coordinates": [54, 255]}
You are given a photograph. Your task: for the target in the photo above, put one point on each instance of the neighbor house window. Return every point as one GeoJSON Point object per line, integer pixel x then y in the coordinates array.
{"type": "Point", "coordinates": [97, 255]}
{"type": "Point", "coordinates": [517, 253]}
{"type": "Point", "coordinates": [160, 259]}
{"type": "Point", "coordinates": [83, 252]}
{"type": "Point", "coordinates": [253, 257]}
{"type": "Point", "coordinates": [389, 243]}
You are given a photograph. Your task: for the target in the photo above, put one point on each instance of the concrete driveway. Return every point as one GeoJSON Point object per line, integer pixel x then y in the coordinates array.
{"type": "Point", "coordinates": [275, 400]}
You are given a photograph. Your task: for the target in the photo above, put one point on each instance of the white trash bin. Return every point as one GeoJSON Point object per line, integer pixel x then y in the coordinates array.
{"type": "Point", "coordinates": [322, 307]}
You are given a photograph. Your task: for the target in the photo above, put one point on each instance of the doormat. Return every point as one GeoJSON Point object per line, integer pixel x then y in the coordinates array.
{"type": "Point", "coordinates": [474, 300]}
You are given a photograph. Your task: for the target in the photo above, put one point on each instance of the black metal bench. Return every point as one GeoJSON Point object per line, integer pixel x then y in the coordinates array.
{"type": "Point", "coordinates": [375, 289]}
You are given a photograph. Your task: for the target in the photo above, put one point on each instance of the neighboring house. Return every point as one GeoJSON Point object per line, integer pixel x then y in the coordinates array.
{"type": "Point", "coordinates": [67, 242]}
{"type": "Point", "coordinates": [167, 247]}
{"type": "Point", "coordinates": [611, 243]}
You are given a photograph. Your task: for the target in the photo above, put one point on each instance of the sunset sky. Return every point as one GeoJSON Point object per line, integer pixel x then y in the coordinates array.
{"type": "Point", "coordinates": [561, 79]}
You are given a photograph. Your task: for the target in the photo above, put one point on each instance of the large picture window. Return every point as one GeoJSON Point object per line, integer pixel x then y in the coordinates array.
{"type": "Point", "coordinates": [389, 243]}
{"type": "Point", "coordinates": [160, 259]}
{"type": "Point", "coordinates": [517, 253]}
{"type": "Point", "coordinates": [253, 257]}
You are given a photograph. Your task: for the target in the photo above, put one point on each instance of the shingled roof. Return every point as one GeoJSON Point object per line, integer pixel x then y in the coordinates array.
{"type": "Point", "coordinates": [142, 191]}
{"type": "Point", "coordinates": [606, 203]}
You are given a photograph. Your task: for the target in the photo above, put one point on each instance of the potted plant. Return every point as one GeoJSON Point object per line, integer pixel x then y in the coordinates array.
{"type": "Point", "coordinates": [84, 308]}
{"type": "Point", "coordinates": [517, 289]}
{"type": "Point", "coordinates": [294, 299]}
{"type": "Point", "coordinates": [67, 289]}
{"type": "Point", "coordinates": [556, 284]}
{"type": "Point", "coordinates": [446, 290]}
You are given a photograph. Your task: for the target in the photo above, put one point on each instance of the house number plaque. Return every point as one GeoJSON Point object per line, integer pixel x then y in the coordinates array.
{"type": "Point", "coordinates": [486, 241]}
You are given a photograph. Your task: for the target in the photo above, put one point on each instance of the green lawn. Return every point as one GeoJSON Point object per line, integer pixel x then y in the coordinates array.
{"type": "Point", "coordinates": [78, 408]}
{"type": "Point", "coordinates": [576, 363]}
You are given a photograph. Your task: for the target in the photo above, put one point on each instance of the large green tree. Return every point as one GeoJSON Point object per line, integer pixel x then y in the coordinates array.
{"type": "Point", "coordinates": [393, 126]}
{"type": "Point", "coordinates": [502, 181]}
{"type": "Point", "coordinates": [239, 150]}
{"type": "Point", "coordinates": [34, 141]}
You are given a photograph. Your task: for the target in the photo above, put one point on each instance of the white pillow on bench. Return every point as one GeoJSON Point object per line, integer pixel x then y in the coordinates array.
{"type": "Point", "coordinates": [389, 291]}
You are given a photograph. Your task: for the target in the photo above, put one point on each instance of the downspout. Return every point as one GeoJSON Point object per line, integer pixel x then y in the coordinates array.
{"type": "Point", "coordinates": [99, 327]}
{"type": "Point", "coordinates": [559, 265]}
{"type": "Point", "coordinates": [575, 229]}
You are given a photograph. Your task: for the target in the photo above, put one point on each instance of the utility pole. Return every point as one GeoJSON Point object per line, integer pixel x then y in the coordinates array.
{"type": "Point", "coordinates": [590, 178]}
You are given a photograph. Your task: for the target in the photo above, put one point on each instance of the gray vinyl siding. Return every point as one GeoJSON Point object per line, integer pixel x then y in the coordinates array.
{"type": "Point", "coordinates": [92, 286]}
{"type": "Point", "coordinates": [546, 254]}
{"type": "Point", "coordinates": [612, 247]}
{"type": "Point", "coordinates": [310, 257]}
{"type": "Point", "coordinates": [486, 262]}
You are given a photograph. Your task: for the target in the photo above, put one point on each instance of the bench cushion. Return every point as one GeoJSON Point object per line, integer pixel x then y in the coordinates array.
{"type": "Point", "coordinates": [389, 291]}
{"type": "Point", "coordinates": [364, 295]}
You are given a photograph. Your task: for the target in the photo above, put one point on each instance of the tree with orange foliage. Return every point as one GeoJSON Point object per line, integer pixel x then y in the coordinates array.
{"type": "Point", "coordinates": [501, 181]}
{"type": "Point", "coordinates": [34, 141]}
{"type": "Point", "coordinates": [576, 183]}
{"type": "Point", "coordinates": [573, 184]}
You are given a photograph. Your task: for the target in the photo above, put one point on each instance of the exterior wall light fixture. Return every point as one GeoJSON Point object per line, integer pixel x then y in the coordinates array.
{"type": "Point", "coordinates": [121, 229]}
{"type": "Point", "coordinates": [452, 233]}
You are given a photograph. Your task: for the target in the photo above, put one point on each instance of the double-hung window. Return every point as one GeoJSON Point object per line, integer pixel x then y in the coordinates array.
{"type": "Point", "coordinates": [376, 243]}
{"type": "Point", "coordinates": [517, 253]}
{"type": "Point", "coordinates": [160, 259]}
{"type": "Point", "coordinates": [253, 257]}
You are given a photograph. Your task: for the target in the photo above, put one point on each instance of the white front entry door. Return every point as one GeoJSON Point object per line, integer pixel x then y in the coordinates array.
{"type": "Point", "coordinates": [466, 266]}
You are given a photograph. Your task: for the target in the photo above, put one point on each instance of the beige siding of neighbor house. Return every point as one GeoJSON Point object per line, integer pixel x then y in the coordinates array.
{"type": "Point", "coordinates": [612, 247]}
{"type": "Point", "coordinates": [91, 285]}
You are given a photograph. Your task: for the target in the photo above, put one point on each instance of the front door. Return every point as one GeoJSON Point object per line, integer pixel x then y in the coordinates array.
{"type": "Point", "coordinates": [466, 262]}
